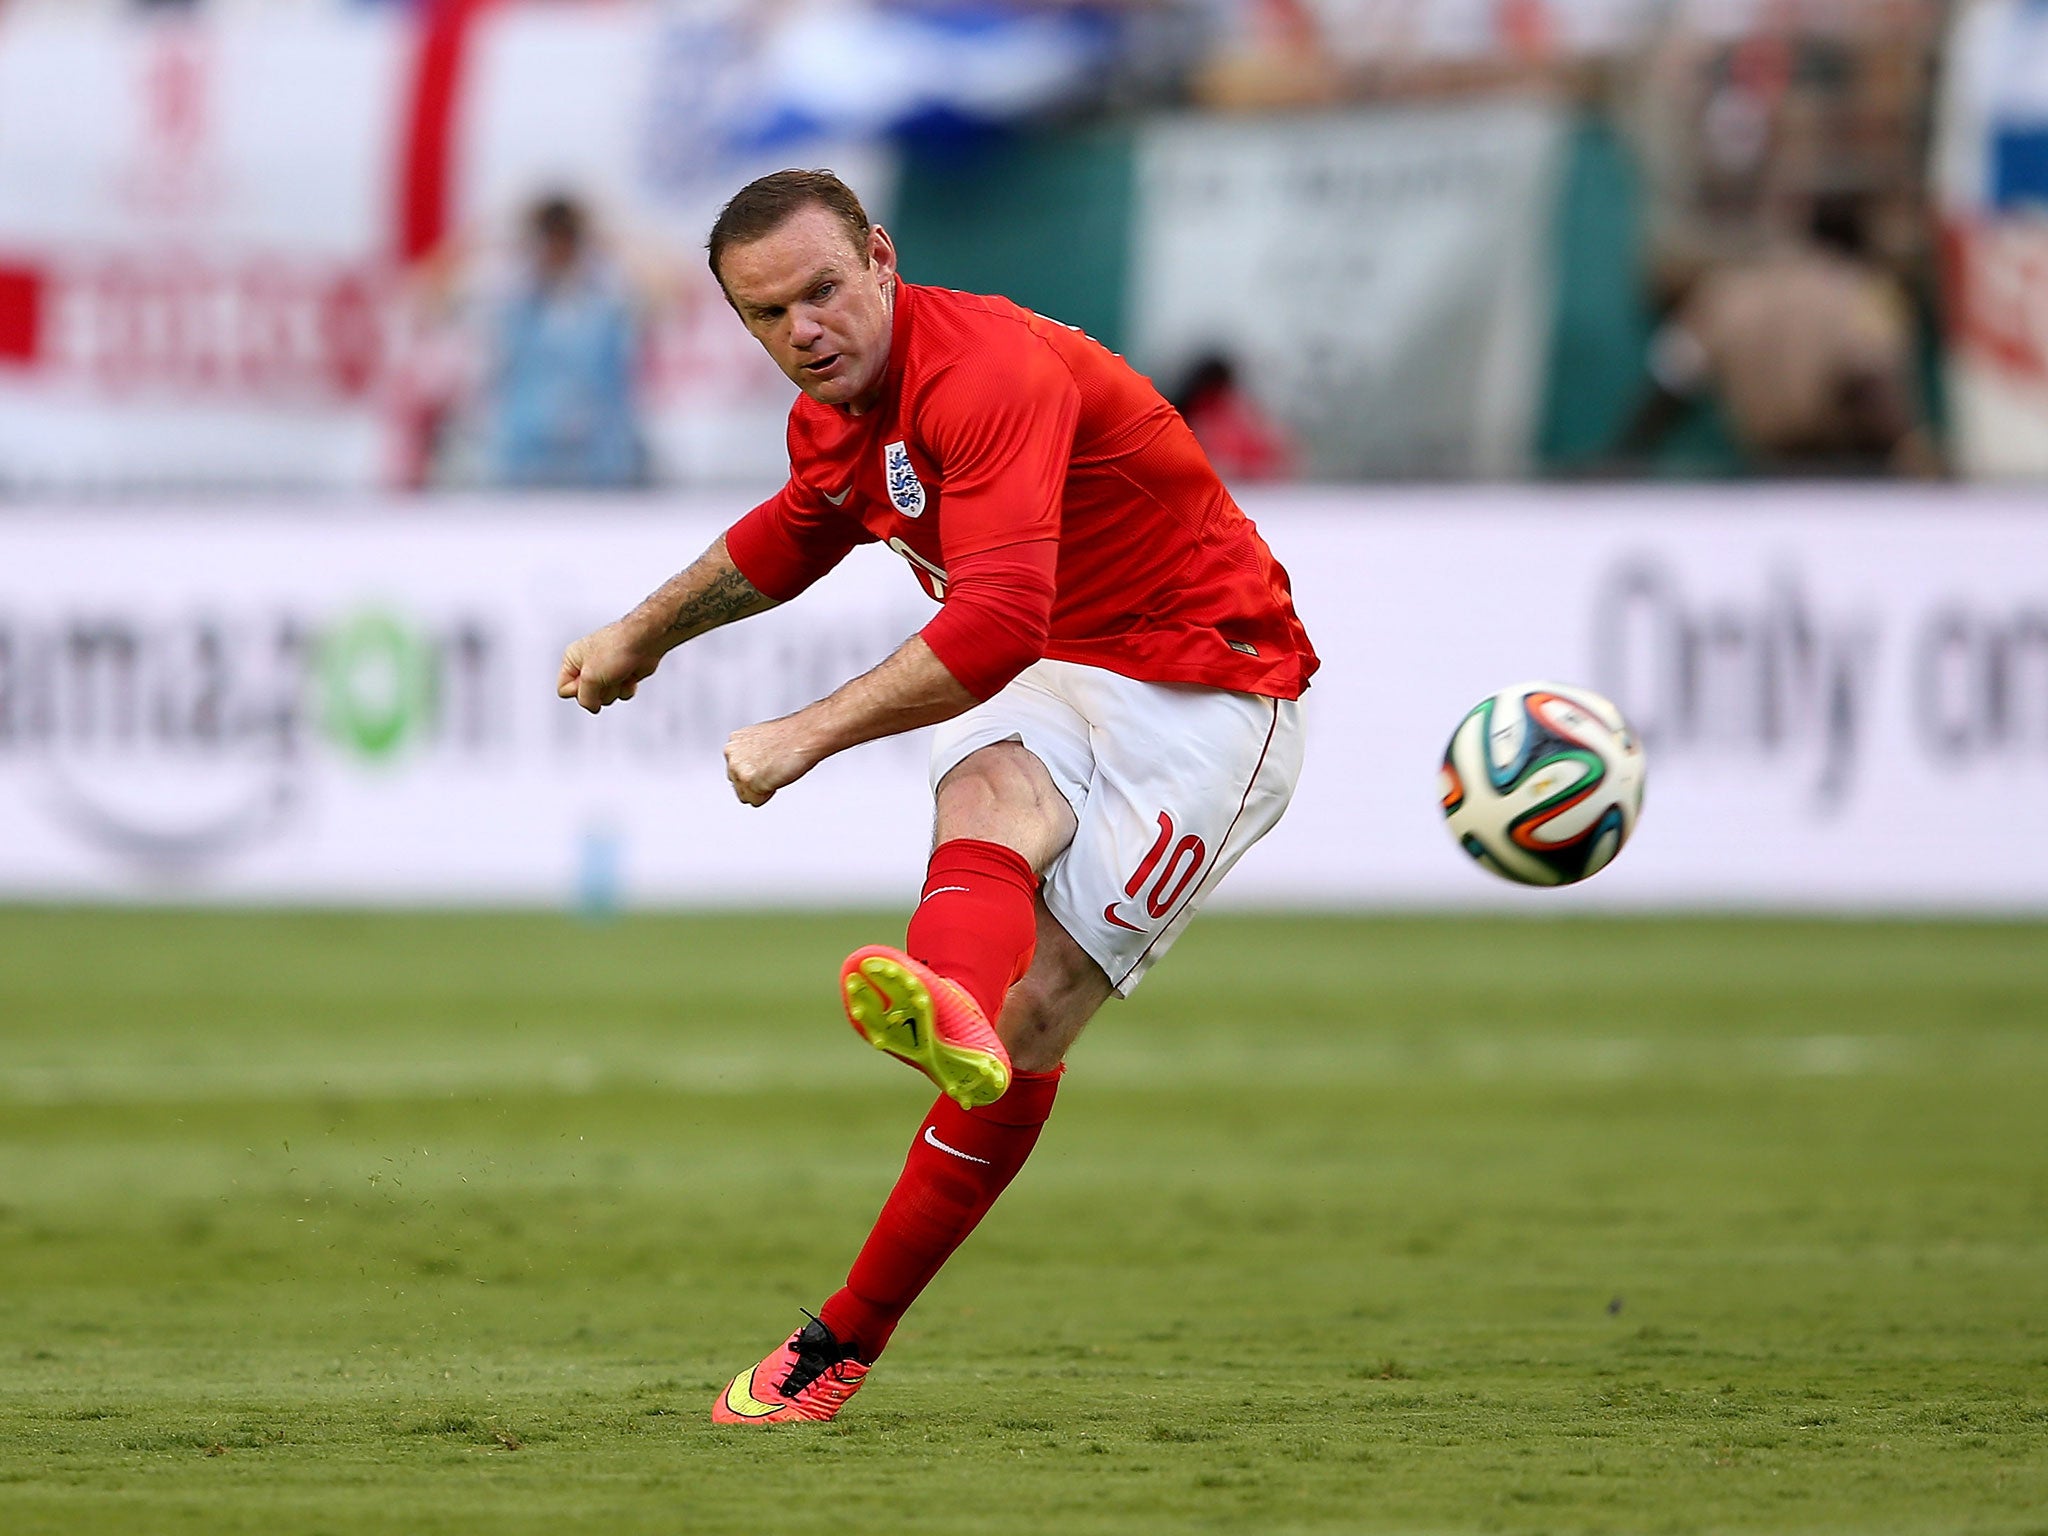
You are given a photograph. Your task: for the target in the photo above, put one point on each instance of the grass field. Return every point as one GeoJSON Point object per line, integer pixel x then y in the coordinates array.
{"type": "Point", "coordinates": [334, 1223]}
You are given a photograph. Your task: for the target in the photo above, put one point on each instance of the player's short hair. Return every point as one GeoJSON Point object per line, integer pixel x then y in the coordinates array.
{"type": "Point", "coordinates": [762, 206]}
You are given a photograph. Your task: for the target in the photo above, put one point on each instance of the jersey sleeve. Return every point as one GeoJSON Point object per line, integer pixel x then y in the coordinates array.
{"type": "Point", "coordinates": [1000, 426]}
{"type": "Point", "coordinates": [997, 614]}
{"type": "Point", "coordinates": [790, 540]}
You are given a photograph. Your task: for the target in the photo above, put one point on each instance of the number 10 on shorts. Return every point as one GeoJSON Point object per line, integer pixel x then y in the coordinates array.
{"type": "Point", "coordinates": [1175, 871]}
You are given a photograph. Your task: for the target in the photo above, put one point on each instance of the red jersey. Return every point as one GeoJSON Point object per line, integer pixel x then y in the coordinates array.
{"type": "Point", "coordinates": [1000, 433]}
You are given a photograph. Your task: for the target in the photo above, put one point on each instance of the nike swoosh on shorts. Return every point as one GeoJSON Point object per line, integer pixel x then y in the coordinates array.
{"type": "Point", "coordinates": [1109, 912]}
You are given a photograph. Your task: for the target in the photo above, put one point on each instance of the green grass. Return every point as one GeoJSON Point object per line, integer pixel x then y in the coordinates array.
{"type": "Point", "coordinates": [335, 1223]}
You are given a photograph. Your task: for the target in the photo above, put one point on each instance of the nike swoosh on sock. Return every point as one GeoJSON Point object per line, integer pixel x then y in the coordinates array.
{"type": "Point", "coordinates": [933, 1140]}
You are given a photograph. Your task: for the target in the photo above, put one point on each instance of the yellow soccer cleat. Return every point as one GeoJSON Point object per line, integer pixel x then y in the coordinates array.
{"type": "Point", "coordinates": [905, 1008]}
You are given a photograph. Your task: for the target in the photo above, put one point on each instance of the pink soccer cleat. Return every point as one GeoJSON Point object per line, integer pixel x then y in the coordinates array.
{"type": "Point", "coordinates": [903, 1007]}
{"type": "Point", "coordinates": [810, 1377]}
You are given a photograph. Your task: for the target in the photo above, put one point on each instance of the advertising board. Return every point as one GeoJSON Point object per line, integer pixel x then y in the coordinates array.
{"type": "Point", "coordinates": [1844, 695]}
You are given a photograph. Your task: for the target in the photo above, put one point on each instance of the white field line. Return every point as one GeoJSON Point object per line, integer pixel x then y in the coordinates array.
{"type": "Point", "coordinates": [1156, 1060]}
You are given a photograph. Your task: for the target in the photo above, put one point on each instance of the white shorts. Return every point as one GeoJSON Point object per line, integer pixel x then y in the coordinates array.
{"type": "Point", "coordinates": [1170, 783]}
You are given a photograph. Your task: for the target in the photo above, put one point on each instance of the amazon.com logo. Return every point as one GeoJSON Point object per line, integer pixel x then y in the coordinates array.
{"type": "Point", "coordinates": [172, 741]}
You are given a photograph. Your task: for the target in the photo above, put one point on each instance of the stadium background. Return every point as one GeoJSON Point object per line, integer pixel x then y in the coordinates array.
{"type": "Point", "coordinates": [277, 585]}
{"type": "Point", "coordinates": [1722, 1217]}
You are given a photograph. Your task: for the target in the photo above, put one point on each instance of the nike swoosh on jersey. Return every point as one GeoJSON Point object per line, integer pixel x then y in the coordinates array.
{"type": "Point", "coordinates": [1109, 912]}
{"type": "Point", "coordinates": [840, 499]}
{"type": "Point", "coordinates": [968, 1157]}
{"type": "Point", "coordinates": [739, 1397]}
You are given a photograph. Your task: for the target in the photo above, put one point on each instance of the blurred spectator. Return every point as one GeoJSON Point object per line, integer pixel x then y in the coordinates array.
{"type": "Point", "coordinates": [1242, 441]}
{"type": "Point", "coordinates": [1743, 119]}
{"type": "Point", "coordinates": [1810, 349]}
{"type": "Point", "coordinates": [559, 395]}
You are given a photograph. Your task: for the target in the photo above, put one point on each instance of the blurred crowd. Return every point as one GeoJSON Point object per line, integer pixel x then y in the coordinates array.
{"type": "Point", "coordinates": [1777, 246]}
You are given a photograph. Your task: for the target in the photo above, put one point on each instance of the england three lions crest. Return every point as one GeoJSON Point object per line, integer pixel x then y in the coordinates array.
{"type": "Point", "coordinates": [906, 492]}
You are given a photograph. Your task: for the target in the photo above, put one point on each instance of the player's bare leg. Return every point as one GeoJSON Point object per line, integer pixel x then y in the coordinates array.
{"type": "Point", "coordinates": [1045, 1012]}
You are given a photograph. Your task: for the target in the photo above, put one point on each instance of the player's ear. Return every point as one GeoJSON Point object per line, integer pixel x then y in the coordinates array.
{"type": "Point", "coordinates": [881, 252]}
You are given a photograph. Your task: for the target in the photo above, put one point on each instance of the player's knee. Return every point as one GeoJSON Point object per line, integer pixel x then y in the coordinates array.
{"type": "Point", "coordinates": [970, 792]}
{"type": "Point", "coordinates": [1003, 794]}
{"type": "Point", "coordinates": [1000, 774]}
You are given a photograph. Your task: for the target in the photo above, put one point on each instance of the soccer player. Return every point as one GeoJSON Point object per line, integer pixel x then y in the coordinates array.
{"type": "Point", "coordinates": [1115, 670]}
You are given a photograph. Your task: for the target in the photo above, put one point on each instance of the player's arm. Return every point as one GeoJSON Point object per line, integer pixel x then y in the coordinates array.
{"type": "Point", "coordinates": [767, 557]}
{"type": "Point", "coordinates": [911, 688]}
{"type": "Point", "coordinates": [609, 664]}
{"type": "Point", "coordinates": [997, 614]}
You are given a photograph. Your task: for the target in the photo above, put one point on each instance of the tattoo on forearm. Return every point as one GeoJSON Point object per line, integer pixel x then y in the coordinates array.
{"type": "Point", "coordinates": [727, 596]}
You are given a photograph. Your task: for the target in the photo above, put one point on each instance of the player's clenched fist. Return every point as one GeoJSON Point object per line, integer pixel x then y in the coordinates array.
{"type": "Point", "coordinates": [606, 666]}
{"type": "Point", "coordinates": [760, 759]}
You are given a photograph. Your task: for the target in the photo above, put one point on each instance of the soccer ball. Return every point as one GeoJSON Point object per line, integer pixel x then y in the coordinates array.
{"type": "Point", "coordinates": [1542, 783]}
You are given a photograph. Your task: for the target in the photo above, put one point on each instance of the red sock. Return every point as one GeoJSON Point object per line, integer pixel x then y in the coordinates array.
{"type": "Point", "coordinates": [977, 921]}
{"type": "Point", "coordinates": [961, 1160]}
